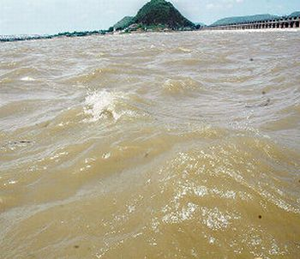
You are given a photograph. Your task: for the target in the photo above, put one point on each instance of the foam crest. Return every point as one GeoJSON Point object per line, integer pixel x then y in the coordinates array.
{"type": "Point", "coordinates": [27, 79]}
{"type": "Point", "coordinates": [106, 105]}
{"type": "Point", "coordinates": [180, 86]}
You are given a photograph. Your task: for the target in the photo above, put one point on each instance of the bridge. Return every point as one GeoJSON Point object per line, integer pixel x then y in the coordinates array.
{"type": "Point", "coordinates": [280, 23]}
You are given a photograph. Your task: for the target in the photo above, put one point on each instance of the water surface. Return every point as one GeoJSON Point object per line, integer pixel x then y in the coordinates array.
{"type": "Point", "coordinates": [179, 145]}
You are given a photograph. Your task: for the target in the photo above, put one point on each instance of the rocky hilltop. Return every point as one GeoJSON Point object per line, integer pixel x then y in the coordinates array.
{"type": "Point", "coordinates": [161, 12]}
{"type": "Point", "coordinates": [157, 13]}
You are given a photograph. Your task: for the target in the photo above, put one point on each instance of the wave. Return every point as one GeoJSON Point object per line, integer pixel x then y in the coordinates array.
{"type": "Point", "coordinates": [104, 104]}
{"type": "Point", "coordinates": [181, 86]}
{"type": "Point", "coordinates": [163, 143]}
{"type": "Point", "coordinates": [95, 75]}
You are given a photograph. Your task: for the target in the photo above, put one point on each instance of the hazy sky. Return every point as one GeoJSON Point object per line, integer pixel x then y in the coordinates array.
{"type": "Point", "coordinates": [52, 16]}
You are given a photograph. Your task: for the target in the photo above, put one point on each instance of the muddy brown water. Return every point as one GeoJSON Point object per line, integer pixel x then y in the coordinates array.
{"type": "Point", "coordinates": [176, 145]}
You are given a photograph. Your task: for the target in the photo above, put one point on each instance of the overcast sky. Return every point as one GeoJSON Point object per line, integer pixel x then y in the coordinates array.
{"type": "Point", "coordinates": [52, 16]}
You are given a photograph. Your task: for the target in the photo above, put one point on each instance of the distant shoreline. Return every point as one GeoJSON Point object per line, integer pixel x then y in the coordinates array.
{"type": "Point", "coordinates": [11, 40]}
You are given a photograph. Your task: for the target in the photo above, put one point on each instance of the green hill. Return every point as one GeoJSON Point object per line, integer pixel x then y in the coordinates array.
{"type": "Point", "coordinates": [125, 22]}
{"type": "Point", "coordinates": [295, 14]}
{"type": "Point", "coordinates": [244, 19]}
{"type": "Point", "coordinates": [160, 12]}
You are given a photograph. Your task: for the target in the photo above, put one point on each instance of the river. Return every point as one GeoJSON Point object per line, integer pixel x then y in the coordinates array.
{"type": "Point", "coordinates": [157, 145]}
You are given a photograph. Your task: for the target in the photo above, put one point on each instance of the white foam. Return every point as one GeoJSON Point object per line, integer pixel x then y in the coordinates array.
{"type": "Point", "coordinates": [106, 104]}
{"type": "Point", "coordinates": [215, 219]}
{"type": "Point", "coordinates": [28, 79]}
